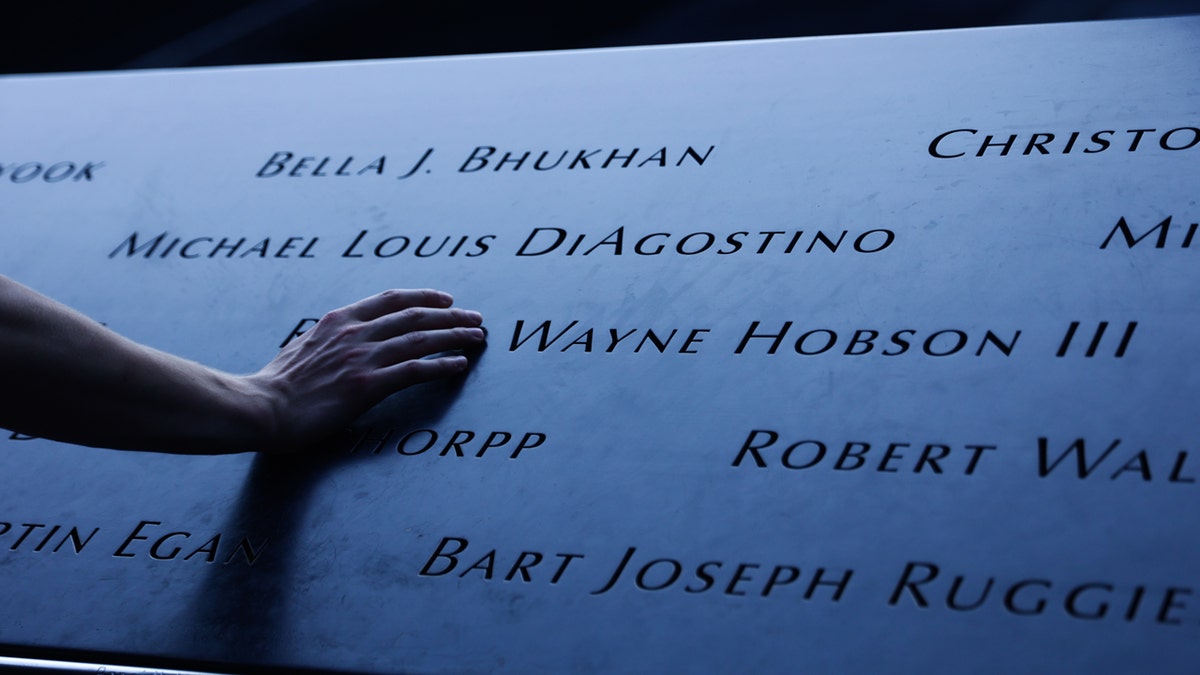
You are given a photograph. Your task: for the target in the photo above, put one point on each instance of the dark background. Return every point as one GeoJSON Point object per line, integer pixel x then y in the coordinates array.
{"type": "Point", "coordinates": [73, 36]}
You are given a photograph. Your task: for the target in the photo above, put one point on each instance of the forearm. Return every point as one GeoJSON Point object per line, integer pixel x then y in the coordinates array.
{"type": "Point", "coordinates": [66, 377]}
{"type": "Point", "coordinates": [69, 378]}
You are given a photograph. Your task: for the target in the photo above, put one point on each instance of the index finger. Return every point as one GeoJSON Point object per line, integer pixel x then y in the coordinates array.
{"type": "Point", "coordinates": [395, 300]}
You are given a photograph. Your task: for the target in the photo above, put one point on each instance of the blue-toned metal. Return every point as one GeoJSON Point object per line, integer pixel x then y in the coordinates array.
{"type": "Point", "coordinates": [848, 355]}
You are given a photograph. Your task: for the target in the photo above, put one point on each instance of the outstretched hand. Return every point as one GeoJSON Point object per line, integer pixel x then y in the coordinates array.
{"type": "Point", "coordinates": [122, 394]}
{"type": "Point", "coordinates": [358, 355]}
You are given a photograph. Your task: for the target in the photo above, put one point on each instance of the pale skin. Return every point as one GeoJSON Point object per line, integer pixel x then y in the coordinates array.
{"type": "Point", "coordinates": [66, 377]}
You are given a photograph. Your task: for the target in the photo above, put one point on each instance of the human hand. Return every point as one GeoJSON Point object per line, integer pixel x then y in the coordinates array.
{"type": "Point", "coordinates": [358, 355]}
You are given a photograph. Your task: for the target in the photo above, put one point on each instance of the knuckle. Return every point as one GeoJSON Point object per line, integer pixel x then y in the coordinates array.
{"type": "Point", "coordinates": [347, 333]}
{"type": "Point", "coordinates": [409, 370]}
{"type": "Point", "coordinates": [333, 317]}
{"type": "Point", "coordinates": [358, 379]}
{"type": "Point", "coordinates": [414, 314]}
{"type": "Point", "coordinates": [357, 353]}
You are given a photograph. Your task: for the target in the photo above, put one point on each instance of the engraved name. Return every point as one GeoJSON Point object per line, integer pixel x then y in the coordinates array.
{"type": "Point", "coordinates": [921, 585]}
{"type": "Point", "coordinates": [1078, 338]}
{"type": "Point", "coordinates": [1116, 461]}
{"type": "Point", "coordinates": [763, 448]}
{"type": "Point", "coordinates": [636, 570]}
{"type": "Point", "coordinates": [435, 443]}
{"type": "Point", "coordinates": [287, 163]}
{"type": "Point", "coordinates": [1162, 233]}
{"type": "Point", "coordinates": [975, 143]}
{"type": "Point", "coordinates": [148, 539]}
{"type": "Point", "coordinates": [49, 172]}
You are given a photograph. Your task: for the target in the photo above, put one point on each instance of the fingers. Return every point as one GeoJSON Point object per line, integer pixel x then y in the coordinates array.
{"type": "Point", "coordinates": [420, 344]}
{"type": "Point", "coordinates": [415, 319]}
{"type": "Point", "coordinates": [399, 334]}
{"type": "Point", "coordinates": [401, 375]}
{"type": "Point", "coordinates": [396, 300]}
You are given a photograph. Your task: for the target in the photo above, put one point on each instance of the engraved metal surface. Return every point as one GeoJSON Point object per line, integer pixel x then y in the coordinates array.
{"type": "Point", "coordinates": [876, 355]}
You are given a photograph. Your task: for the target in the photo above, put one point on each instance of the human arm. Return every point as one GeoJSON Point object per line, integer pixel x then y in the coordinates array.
{"type": "Point", "coordinates": [64, 376]}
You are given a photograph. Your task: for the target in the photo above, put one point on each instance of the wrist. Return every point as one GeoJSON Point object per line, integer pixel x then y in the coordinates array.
{"type": "Point", "coordinates": [257, 407]}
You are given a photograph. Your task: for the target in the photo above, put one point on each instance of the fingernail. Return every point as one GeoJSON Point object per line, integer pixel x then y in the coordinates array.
{"type": "Point", "coordinates": [484, 330]}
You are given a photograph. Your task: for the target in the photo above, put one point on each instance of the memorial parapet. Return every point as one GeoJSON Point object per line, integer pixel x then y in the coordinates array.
{"type": "Point", "coordinates": [853, 354]}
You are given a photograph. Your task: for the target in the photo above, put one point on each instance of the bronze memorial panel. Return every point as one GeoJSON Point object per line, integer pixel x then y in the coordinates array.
{"type": "Point", "coordinates": [862, 354]}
